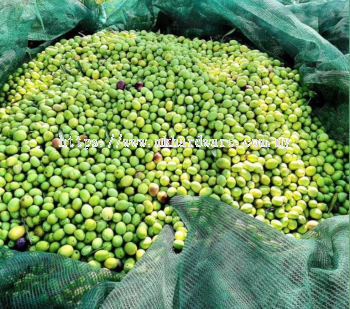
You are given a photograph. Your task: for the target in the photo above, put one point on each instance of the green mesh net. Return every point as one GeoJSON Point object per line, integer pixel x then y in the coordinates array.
{"type": "Point", "coordinates": [230, 259]}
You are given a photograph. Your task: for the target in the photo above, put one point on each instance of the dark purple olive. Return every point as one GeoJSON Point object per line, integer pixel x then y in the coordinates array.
{"type": "Point", "coordinates": [119, 268]}
{"type": "Point", "coordinates": [139, 85]}
{"type": "Point", "coordinates": [21, 244]}
{"type": "Point", "coordinates": [121, 85]}
{"type": "Point", "coordinates": [335, 208]}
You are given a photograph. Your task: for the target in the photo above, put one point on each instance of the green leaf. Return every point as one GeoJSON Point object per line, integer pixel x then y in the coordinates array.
{"type": "Point", "coordinates": [66, 70]}
{"type": "Point", "coordinates": [79, 66]}
{"type": "Point", "coordinates": [228, 33]}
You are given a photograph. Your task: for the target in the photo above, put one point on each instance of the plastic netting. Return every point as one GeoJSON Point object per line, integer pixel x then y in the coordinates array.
{"type": "Point", "coordinates": [230, 260]}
